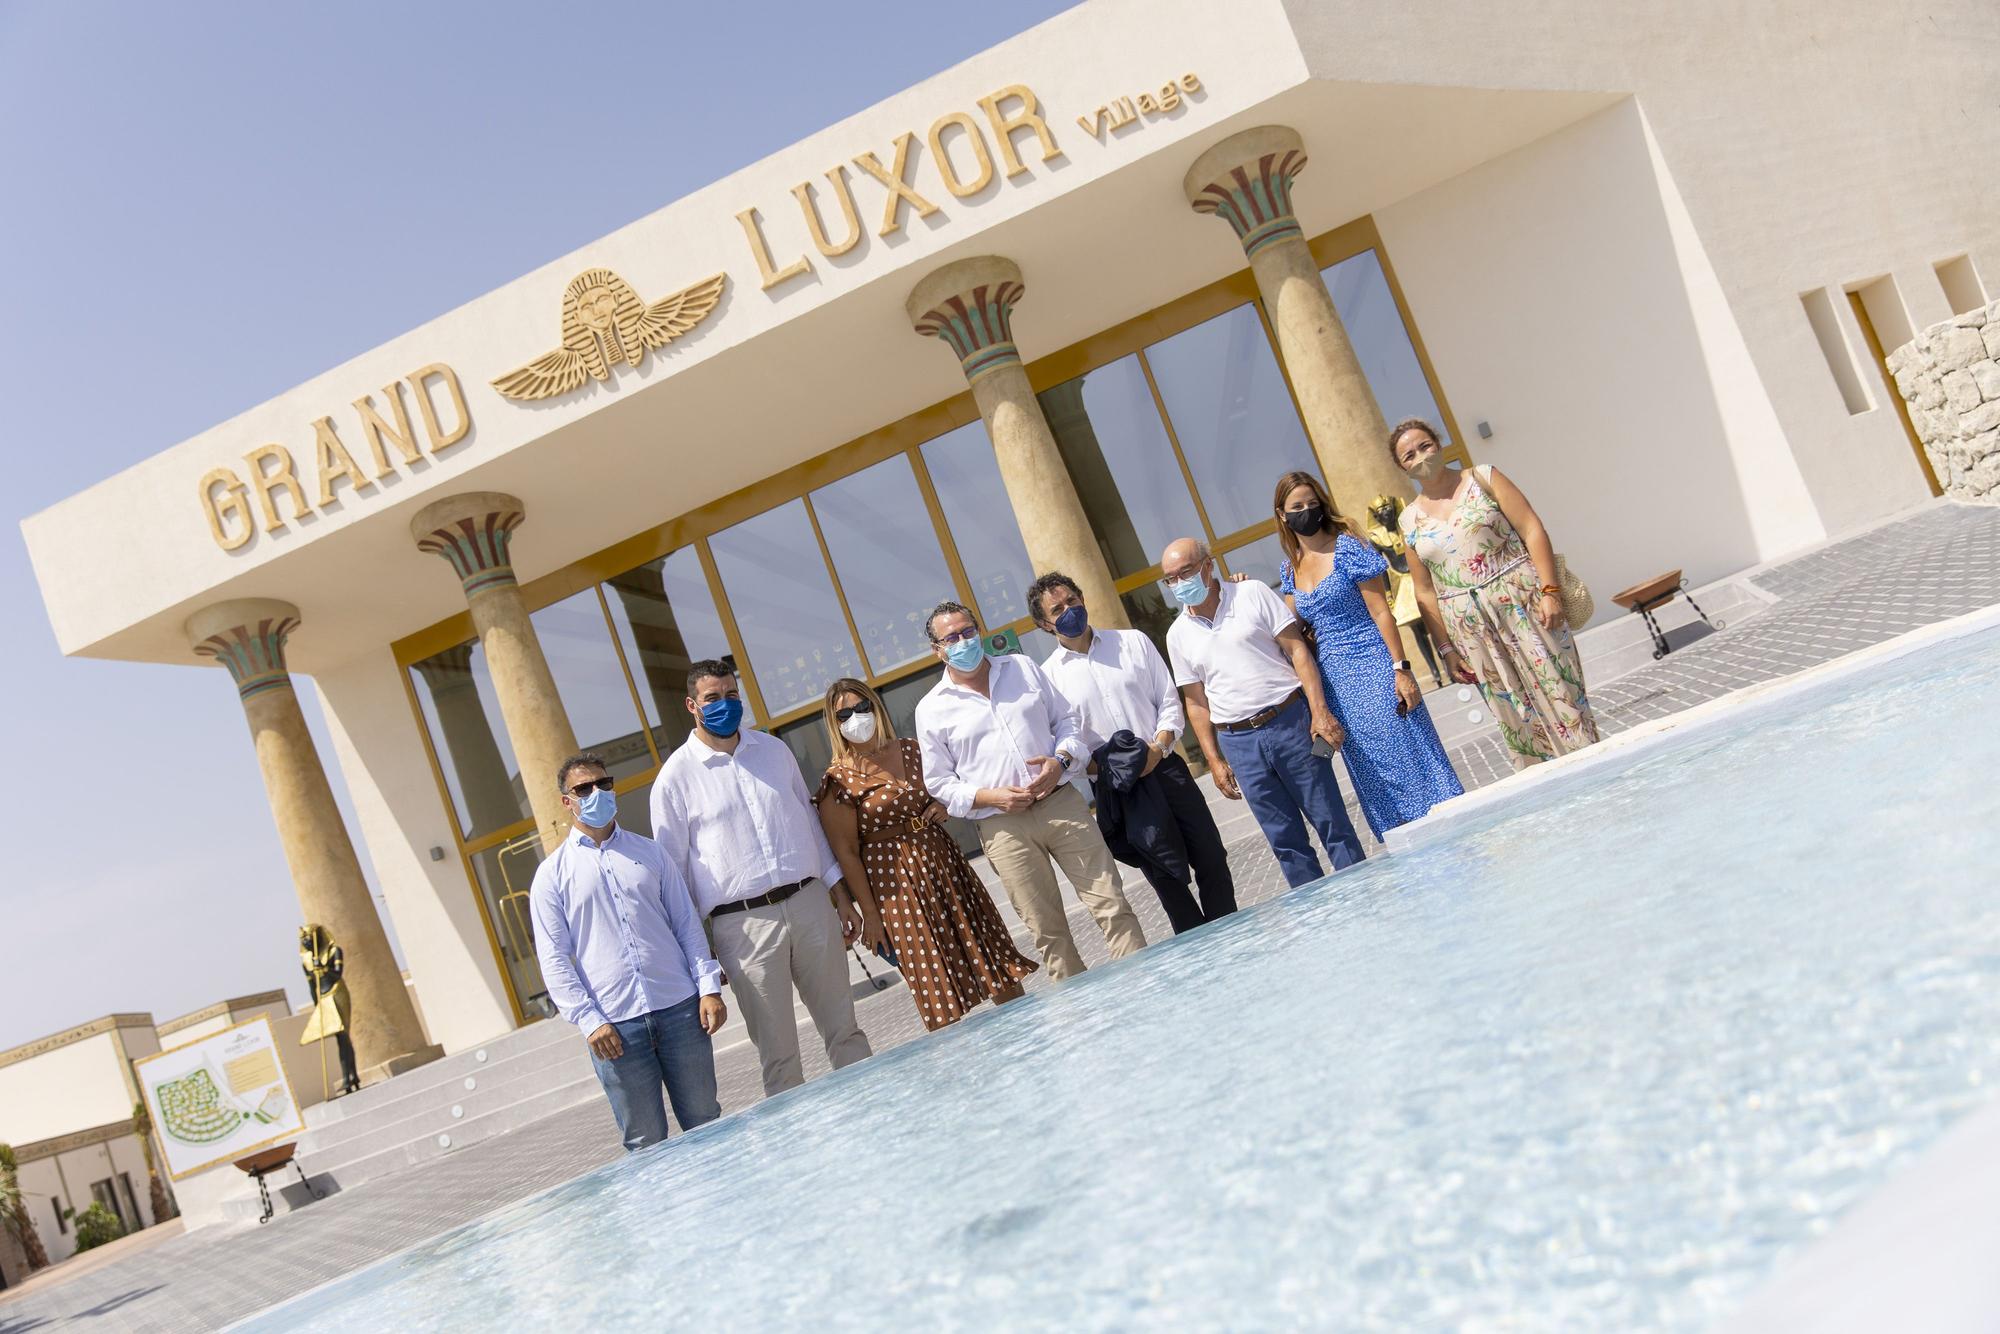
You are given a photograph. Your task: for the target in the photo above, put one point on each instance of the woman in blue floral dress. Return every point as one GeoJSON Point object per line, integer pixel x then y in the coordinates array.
{"type": "Point", "coordinates": [1335, 583]}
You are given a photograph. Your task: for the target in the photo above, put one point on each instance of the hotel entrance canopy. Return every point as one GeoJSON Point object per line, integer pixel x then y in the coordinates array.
{"type": "Point", "coordinates": [751, 344]}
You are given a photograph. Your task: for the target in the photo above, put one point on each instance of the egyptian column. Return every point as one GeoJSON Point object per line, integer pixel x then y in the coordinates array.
{"type": "Point", "coordinates": [970, 306]}
{"type": "Point", "coordinates": [248, 637]}
{"type": "Point", "coordinates": [474, 532]}
{"type": "Point", "coordinates": [1247, 181]}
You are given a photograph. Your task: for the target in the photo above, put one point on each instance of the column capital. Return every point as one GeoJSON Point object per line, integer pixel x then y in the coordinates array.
{"type": "Point", "coordinates": [1246, 180]}
{"type": "Point", "coordinates": [970, 305]}
{"type": "Point", "coordinates": [473, 532]}
{"type": "Point", "coordinates": [247, 636]}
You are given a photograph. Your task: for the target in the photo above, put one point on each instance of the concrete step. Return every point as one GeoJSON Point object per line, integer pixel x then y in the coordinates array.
{"type": "Point", "coordinates": [373, 1159]}
{"type": "Point", "coordinates": [450, 1071]}
{"type": "Point", "coordinates": [503, 1082]}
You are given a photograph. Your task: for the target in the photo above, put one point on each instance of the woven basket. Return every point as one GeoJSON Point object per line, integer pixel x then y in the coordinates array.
{"type": "Point", "coordinates": [1578, 605]}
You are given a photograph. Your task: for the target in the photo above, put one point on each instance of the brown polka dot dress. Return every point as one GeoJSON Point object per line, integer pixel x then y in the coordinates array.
{"type": "Point", "coordinates": [953, 948]}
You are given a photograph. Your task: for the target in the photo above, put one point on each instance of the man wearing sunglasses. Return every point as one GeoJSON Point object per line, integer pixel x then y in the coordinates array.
{"type": "Point", "coordinates": [625, 960]}
{"type": "Point", "coordinates": [998, 743]}
{"type": "Point", "coordinates": [732, 811]}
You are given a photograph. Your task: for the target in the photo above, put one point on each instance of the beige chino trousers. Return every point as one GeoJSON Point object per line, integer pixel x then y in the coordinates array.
{"type": "Point", "coordinates": [768, 951]}
{"type": "Point", "coordinates": [1020, 847]}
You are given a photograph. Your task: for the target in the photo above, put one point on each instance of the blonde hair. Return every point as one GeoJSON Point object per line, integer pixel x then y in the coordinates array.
{"type": "Point", "coordinates": [847, 685]}
{"type": "Point", "coordinates": [1288, 539]}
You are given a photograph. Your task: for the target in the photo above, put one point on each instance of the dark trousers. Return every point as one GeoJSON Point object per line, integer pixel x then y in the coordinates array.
{"type": "Point", "coordinates": [1287, 786]}
{"type": "Point", "coordinates": [1206, 858]}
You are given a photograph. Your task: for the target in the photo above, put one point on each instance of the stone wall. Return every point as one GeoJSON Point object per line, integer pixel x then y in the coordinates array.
{"type": "Point", "coordinates": [1950, 376]}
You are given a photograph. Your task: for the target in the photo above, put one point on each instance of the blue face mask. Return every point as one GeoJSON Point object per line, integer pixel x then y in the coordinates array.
{"type": "Point", "coordinates": [1189, 592]}
{"type": "Point", "coordinates": [1073, 621]}
{"type": "Point", "coordinates": [721, 717]}
{"type": "Point", "coordinates": [598, 809]}
{"type": "Point", "coordinates": [965, 654]}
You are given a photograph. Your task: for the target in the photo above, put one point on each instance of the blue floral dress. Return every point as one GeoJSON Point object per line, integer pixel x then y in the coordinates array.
{"type": "Point", "coordinates": [1398, 764]}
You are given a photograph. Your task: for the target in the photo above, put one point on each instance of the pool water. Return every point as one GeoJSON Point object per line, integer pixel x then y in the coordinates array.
{"type": "Point", "coordinates": [1595, 1060]}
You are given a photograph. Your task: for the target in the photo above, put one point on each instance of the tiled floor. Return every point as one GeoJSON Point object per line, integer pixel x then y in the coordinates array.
{"type": "Point", "coordinates": [1937, 564]}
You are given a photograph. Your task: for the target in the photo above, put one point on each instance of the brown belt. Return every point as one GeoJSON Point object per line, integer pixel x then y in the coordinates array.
{"type": "Point", "coordinates": [1257, 720]}
{"type": "Point", "coordinates": [906, 829]}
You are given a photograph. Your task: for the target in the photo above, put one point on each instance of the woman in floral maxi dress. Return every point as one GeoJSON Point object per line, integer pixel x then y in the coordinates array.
{"type": "Point", "coordinates": [916, 892]}
{"type": "Point", "coordinates": [1486, 572]}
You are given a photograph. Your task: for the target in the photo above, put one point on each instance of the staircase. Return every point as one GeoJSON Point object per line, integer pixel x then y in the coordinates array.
{"type": "Point", "coordinates": [514, 1080]}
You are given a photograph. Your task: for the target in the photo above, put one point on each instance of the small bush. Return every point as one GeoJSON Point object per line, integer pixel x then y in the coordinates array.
{"type": "Point", "coordinates": [97, 1225]}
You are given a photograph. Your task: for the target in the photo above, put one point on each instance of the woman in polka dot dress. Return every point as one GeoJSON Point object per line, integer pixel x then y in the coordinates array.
{"type": "Point", "coordinates": [917, 893]}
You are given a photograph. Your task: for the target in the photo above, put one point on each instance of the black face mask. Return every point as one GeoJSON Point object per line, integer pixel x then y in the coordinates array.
{"type": "Point", "coordinates": [1307, 521]}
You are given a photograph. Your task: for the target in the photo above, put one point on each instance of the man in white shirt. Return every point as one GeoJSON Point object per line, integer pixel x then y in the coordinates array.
{"type": "Point", "coordinates": [732, 812]}
{"type": "Point", "coordinates": [997, 742]}
{"type": "Point", "coordinates": [1116, 681]}
{"type": "Point", "coordinates": [1256, 702]}
{"type": "Point", "coordinates": [625, 960]}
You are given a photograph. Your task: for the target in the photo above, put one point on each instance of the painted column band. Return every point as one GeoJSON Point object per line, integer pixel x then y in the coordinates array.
{"type": "Point", "coordinates": [477, 546]}
{"type": "Point", "coordinates": [973, 315]}
{"type": "Point", "coordinates": [1246, 180]}
{"type": "Point", "coordinates": [254, 652]}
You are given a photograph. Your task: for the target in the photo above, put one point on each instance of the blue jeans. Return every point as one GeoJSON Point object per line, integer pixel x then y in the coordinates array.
{"type": "Point", "coordinates": [1287, 786]}
{"type": "Point", "coordinates": [665, 1047]}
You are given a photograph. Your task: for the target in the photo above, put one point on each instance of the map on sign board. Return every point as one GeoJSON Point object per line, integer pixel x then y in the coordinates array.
{"type": "Point", "coordinates": [219, 1097]}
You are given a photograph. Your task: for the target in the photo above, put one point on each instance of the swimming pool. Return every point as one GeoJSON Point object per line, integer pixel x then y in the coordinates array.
{"type": "Point", "coordinates": [1595, 1058]}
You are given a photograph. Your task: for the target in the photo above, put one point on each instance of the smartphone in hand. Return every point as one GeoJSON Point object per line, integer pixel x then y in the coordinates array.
{"type": "Point", "coordinates": [1321, 749]}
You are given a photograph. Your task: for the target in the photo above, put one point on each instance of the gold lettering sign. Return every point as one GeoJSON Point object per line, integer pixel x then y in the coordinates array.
{"type": "Point", "coordinates": [959, 148]}
{"type": "Point", "coordinates": [1124, 112]}
{"type": "Point", "coordinates": [273, 472]}
{"type": "Point", "coordinates": [605, 324]}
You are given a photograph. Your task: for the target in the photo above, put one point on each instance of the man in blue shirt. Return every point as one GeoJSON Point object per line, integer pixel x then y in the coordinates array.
{"type": "Point", "coordinates": [626, 961]}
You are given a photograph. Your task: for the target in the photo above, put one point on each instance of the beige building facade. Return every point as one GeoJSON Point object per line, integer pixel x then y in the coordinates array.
{"type": "Point", "coordinates": [1088, 291]}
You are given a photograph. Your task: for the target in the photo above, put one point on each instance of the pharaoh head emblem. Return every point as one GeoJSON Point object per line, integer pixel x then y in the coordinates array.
{"type": "Point", "coordinates": [605, 324]}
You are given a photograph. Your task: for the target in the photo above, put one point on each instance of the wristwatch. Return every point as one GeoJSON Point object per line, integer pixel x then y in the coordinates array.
{"type": "Point", "coordinates": [1062, 758]}
{"type": "Point", "coordinates": [1403, 666]}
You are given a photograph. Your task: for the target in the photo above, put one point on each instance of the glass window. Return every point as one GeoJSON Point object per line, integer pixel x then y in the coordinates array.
{"type": "Point", "coordinates": [1116, 449]}
{"type": "Point", "coordinates": [1259, 560]}
{"type": "Point", "coordinates": [455, 693]}
{"type": "Point", "coordinates": [981, 518]}
{"type": "Point", "coordinates": [886, 552]}
{"type": "Point", "coordinates": [1232, 414]}
{"type": "Point", "coordinates": [471, 743]}
{"type": "Point", "coordinates": [576, 640]}
{"type": "Point", "coordinates": [782, 598]}
{"type": "Point", "coordinates": [1382, 341]}
{"type": "Point", "coordinates": [666, 620]}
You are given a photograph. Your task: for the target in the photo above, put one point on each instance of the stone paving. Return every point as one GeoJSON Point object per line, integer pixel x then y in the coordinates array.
{"type": "Point", "coordinates": [1938, 563]}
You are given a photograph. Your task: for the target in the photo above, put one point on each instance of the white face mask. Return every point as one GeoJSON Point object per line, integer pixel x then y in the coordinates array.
{"type": "Point", "coordinates": [859, 728]}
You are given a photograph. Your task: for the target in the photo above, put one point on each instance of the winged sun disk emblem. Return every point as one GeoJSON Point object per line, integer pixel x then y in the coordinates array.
{"type": "Point", "coordinates": [605, 323]}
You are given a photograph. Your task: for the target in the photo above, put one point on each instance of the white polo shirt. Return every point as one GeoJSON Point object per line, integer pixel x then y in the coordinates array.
{"type": "Point", "coordinates": [1235, 657]}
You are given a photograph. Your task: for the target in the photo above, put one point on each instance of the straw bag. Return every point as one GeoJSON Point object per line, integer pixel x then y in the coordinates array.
{"type": "Point", "coordinates": [1578, 605]}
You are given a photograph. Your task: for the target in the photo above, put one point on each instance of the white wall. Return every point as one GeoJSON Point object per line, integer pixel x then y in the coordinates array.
{"type": "Point", "coordinates": [60, 1092]}
{"type": "Point", "coordinates": [1549, 292]}
{"type": "Point", "coordinates": [402, 816]}
{"type": "Point", "coordinates": [1815, 145]}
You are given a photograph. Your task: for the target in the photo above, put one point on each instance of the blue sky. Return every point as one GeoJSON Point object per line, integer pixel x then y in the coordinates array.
{"type": "Point", "coordinates": [206, 204]}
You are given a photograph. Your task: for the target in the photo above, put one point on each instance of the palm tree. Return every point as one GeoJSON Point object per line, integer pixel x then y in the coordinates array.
{"type": "Point", "coordinates": [142, 1126]}
{"type": "Point", "coordinates": [14, 1210]}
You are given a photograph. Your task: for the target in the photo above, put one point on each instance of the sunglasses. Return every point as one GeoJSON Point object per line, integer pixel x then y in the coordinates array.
{"type": "Point", "coordinates": [593, 785]}
{"type": "Point", "coordinates": [842, 715]}
{"type": "Point", "coordinates": [969, 632]}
